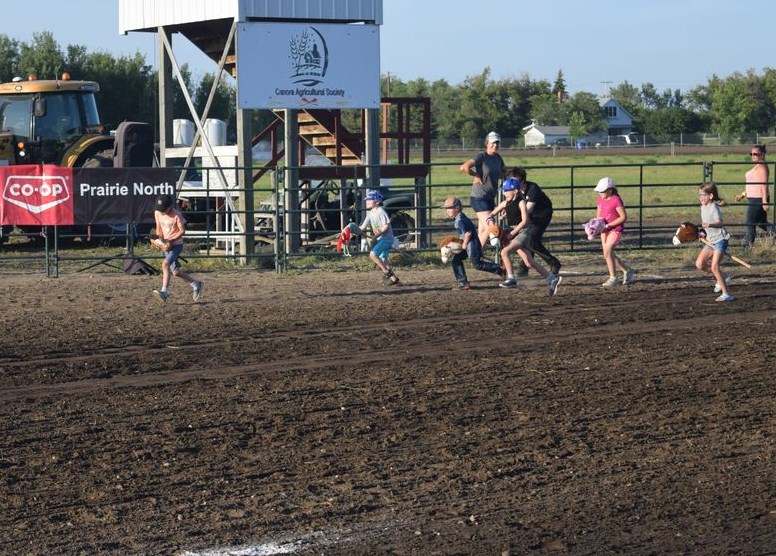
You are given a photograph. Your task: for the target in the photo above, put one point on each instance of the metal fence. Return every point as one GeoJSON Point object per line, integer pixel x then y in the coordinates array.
{"type": "Point", "coordinates": [296, 224]}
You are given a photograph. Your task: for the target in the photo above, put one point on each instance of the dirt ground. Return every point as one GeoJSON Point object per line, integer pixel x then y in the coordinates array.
{"type": "Point", "coordinates": [322, 413]}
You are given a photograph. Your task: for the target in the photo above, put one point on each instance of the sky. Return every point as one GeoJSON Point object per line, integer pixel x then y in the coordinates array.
{"type": "Point", "coordinates": [597, 44]}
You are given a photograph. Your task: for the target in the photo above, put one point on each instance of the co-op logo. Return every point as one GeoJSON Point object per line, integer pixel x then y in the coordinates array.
{"type": "Point", "coordinates": [36, 193]}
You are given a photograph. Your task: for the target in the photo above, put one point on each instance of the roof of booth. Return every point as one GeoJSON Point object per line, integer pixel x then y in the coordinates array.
{"type": "Point", "coordinates": [148, 15]}
{"type": "Point", "coordinates": [206, 23]}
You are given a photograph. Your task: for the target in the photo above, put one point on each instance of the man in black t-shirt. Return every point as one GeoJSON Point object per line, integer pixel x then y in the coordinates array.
{"type": "Point", "coordinates": [539, 208]}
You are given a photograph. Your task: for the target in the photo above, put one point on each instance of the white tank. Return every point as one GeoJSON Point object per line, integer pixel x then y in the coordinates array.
{"type": "Point", "coordinates": [215, 130]}
{"type": "Point", "coordinates": [182, 133]}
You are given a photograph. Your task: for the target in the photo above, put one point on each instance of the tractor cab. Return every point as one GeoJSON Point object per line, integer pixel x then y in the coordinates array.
{"type": "Point", "coordinates": [50, 122]}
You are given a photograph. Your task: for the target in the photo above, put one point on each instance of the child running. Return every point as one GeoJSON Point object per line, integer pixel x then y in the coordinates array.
{"type": "Point", "coordinates": [472, 248]}
{"type": "Point", "coordinates": [612, 209]}
{"type": "Point", "coordinates": [378, 223]}
{"type": "Point", "coordinates": [520, 235]}
{"type": "Point", "coordinates": [170, 228]}
{"type": "Point", "coordinates": [711, 255]}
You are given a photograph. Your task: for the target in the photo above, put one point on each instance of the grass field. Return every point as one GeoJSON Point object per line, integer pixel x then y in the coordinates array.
{"type": "Point", "coordinates": [663, 185]}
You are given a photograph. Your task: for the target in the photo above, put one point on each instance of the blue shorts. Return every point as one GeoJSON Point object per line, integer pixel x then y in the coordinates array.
{"type": "Point", "coordinates": [382, 247]}
{"type": "Point", "coordinates": [481, 204]}
{"type": "Point", "coordinates": [721, 245]}
{"type": "Point", "coordinates": [172, 255]}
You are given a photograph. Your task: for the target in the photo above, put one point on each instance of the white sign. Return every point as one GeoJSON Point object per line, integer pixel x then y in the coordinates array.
{"type": "Point", "coordinates": [303, 66]}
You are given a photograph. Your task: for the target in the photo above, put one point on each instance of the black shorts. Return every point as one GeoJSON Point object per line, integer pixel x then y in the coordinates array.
{"type": "Point", "coordinates": [481, 204]}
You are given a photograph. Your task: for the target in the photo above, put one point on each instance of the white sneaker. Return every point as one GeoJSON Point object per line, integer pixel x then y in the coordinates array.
{"type": "Point", "coordinates": [553, 281]}
{"type": "Point", "coordinates": [162, 295]}
{"type": "Point", "coordinates": [197, 293]}
{"type": "Point", "coordinates": [725, 297]}
{"type": "Point", "coordinates": [610, 282]}
{"type": "Point", "coordinates": [718, 288]}
{"type": "Point", "coordinates": [627, 277]}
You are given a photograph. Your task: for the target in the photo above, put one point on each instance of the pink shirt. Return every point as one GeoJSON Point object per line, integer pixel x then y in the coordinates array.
{"type": "Point", "coordinates": [607, 209]}
{"type": "Point", "coordinates": [757, 182]}
{"type": "Point", "coordinates": [172, 225]}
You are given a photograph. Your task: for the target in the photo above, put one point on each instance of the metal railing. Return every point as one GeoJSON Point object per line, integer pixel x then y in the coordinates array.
{"type": "Point", "coordinates": [658, 196]}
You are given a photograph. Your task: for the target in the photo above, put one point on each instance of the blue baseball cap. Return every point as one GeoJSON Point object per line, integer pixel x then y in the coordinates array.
{"type": "Point", "coordinates": [375, 196]}
{"type": "Point", "coordinates": [510, 184]}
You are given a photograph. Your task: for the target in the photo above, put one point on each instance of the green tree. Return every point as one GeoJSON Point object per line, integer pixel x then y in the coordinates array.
{"type": "Point", "coordinates": [730, 107]}
{"type": "Point", "coordinates": [9, 58]}
{"type": "Point", "coordinates": [42, 57]}
{"type": "Point", "coordinates": [117, 77]}
{"type": "Point", "coordinates": [559, 87]}
{"type": "Point", "coordinates": [587, 105]}
{"type": "Point", "coordinates": [477, 114]}
{"type": "Point", "coordinates": [545, 110]}
{"type": "Point", "coordinates": [223, 106]}
{"type": "Point", "coordinates": [578, 126]}
{"type": "Point", "coordinates": [445, 100]}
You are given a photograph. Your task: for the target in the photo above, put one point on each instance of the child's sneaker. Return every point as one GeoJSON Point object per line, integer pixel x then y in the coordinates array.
{"type": "Point", "coordinates": [553, 281]}
{"type": "Point", "coordinates": [463, 286]}
{"type": "Point", "coordinates": [197, 293]}
{"type": "Point", "coordinates": [610, 282]}
{"type": "Point", "coordinates": [508, 283]}
{"type": "Point", "coordinates": [718, 287]}
{"type": "Point", "coordinates": [627, 277]}
{"type": "Point", "coordinates": [162, 295]}
{"type": "Point", "coordinates": [725, 297]}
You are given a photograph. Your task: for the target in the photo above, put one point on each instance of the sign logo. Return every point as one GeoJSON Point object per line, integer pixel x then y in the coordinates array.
{"type": "Point", "coordinates": [309, 57]}
{"type": "Point", "coordinates": [36, 194]}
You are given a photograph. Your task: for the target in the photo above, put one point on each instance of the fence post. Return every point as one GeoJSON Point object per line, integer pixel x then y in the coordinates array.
{"type": "Point", "coordinates": [571, 211]}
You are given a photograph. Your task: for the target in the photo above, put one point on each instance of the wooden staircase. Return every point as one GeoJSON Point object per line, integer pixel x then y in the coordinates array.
{"type": "Point", "coordinates": [323, 130]}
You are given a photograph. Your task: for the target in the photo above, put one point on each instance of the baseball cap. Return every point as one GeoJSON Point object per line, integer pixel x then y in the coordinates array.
{"type": "Point", "coordinates": [163, 203]}
{"type": "Point", "coordinates": [452, 202]}
{"type": "Point", "coordinates": [493, 137]}
{"type": "Point", "coordinates": [375, 196]}
{"type": "Point", "coordinates": [604, 184]}
{"type": "Point", "coordinates": [510, 184]}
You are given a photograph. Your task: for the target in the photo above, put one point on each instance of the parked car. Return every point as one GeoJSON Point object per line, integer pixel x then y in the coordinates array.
{"type": "Point", "coordinates": [559, 143]}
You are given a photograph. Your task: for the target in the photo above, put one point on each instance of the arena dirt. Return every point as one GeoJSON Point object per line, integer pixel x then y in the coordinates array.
{"type": "Point", "coordinates": [322, 413]}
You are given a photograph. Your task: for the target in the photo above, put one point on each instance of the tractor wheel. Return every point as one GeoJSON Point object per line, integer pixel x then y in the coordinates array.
{"type": "Point", "coordinates": [99, 159]}
{"type": "Point", "coordinates": [403, 226]}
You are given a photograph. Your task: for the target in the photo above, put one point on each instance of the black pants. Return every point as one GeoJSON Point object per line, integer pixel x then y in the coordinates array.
{"type": "Point", "coordinates": [755, 216]}
{"type": "Point", "coordinates": [537, 245]}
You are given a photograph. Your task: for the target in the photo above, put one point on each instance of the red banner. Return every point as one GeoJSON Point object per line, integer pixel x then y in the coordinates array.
{"type": "Point", "coordinates": [55, 196]}
{"type": "Point", "coordinates": [36, 195]}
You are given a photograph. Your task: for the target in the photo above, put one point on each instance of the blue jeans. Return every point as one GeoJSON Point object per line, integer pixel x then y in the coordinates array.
{"type": "Point", "coordinates": [755, 216]}
{"type": "Point", "coordinates": [474, 252]}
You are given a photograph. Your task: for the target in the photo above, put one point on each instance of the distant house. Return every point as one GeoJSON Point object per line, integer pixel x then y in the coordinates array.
{"type": "Point", "coordinates": [538, 135]}
{"type": "Point", "coordinates": [618, 119]}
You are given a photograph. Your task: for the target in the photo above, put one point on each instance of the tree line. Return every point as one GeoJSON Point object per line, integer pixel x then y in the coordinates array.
{"type": "Point", "coordinates": [732, 106]}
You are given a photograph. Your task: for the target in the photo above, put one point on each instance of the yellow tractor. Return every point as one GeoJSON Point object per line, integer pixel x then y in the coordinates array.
{"type": "Point", "coordinates": [52, 122]}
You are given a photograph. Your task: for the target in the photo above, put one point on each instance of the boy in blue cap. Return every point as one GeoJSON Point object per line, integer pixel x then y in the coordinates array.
{"type": "Point", "coordinates": [472, 248]}
{"type": "Point", "coordinates": [378, 223]}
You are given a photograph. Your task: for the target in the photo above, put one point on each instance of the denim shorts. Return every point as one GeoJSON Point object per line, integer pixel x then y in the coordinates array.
{"type": "Point", "coordinates": [382, 247]}
{"type": "Point", "coordinates": [172, 256]}
{"type": "Point", "coordinates": [721, 245]}
{"type": "Point", "coordinates": [481, 204]}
